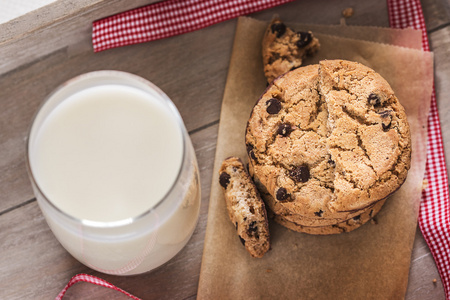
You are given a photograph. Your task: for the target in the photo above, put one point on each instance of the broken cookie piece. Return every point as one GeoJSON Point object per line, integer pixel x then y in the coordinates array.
{"type": "Point", "coordinates": [245, 207]}
{"type": "Point", "coordinates": [284, 49]}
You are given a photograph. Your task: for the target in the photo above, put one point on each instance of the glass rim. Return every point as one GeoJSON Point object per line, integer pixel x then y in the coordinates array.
{"type": "Point", "coordinates": [117, 74]}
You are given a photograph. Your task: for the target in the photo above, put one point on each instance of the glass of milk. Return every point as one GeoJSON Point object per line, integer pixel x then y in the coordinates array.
{"type": "Point", "coordinates": [114, 172]}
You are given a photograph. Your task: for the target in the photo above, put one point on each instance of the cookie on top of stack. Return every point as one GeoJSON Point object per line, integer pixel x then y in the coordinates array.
{"type": "Point", "coordinates": [327, 144]}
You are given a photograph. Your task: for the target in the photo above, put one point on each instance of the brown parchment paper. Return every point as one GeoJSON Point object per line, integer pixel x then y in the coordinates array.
{"type": "Point", "coordinates": [408, 37]}
{"type": "Point", "coordinates": [371, 262]}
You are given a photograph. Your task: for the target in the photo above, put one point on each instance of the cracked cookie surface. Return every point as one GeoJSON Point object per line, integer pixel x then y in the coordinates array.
{"type": "Point", "coordinates": [327, 141]}
{"type": "Point", "coordinates": [284, 49]}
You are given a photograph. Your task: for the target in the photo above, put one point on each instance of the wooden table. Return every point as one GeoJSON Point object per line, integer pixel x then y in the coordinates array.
{"type": "Point", "coordinates": [41, 50]}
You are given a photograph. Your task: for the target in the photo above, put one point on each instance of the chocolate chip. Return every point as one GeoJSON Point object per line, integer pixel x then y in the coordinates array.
{"type": "Point", "coordinates": [332, 162]}
{"type": "Point", "coordinates": [282, 194]}
{"type": "Point", "coordinates": [242, 240]}
{"type": "Point", "coordinates": [224, 179]}
{"type": "Point", "coordinates": [304, 39]}
{"type": "Point", "coordinates": [250, 151]}
{"type": "Point", "coordinates": [278, 28]}
{"type": "Point", "coordinates": [386, 119]}
{"type": "Point", "coordinates": [273, 106]}
{"type": "Point", "coordinates": [274, 57]}
{"type": "Point", "coordinates": [319, 213]}
{"type": "Point", "coordinates": [252, 227]}
{"type": "Point", "coordinates": [249, 147]}
{"type": "Point", "coordinates": [385, 113]}
{"type": "Point", "coordinates": [284, 129]}
{"type": "Point", "coordinates": [374, 100]}
{"type": "Point", "coordinates": [300, 173]}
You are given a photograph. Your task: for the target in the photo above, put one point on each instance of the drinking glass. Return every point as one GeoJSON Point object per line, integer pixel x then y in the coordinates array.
{"type": "Point", "coordinates": [134, 244]}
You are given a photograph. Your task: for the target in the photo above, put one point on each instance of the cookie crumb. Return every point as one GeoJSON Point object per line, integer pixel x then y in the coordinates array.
{"type": "Point", "coordinates": [270, 271]}
{"type": "Point", "coordinates": [434, 280]}
{"type": "Point", "coordinates": [348, 12]}
{"type": "Point", "coordinates": [424, 184]}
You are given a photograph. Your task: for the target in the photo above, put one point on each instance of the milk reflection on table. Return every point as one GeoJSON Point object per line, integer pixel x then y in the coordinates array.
{"type": "Point", "coordinates": [105, 152]}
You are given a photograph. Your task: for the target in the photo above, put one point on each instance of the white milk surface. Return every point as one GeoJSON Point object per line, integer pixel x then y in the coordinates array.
{"type": "Point", "coordinates": [107, 153]}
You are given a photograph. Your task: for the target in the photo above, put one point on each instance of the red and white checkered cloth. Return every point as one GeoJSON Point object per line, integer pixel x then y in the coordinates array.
{"type": "Point", "coordinates": [168, 18]}
{"type": "Point", "coordinates": [434, 215]}
{"type": "Point", "coordinates": [94, 280]}
{"type": "Point", "coordinates": [173, 17]}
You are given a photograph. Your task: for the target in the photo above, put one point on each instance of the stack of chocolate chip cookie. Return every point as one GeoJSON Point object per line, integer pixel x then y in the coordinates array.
{"type": "Point", "coordinates": [327, 144]}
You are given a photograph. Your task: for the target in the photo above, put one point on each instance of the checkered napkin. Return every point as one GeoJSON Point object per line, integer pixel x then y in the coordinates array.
{"type": "Point", "coordinates": [168, 18]}
{"type": "Point", "coordinates": [94, 280]}
{"type": "Point", "coordinates": [173, 17]}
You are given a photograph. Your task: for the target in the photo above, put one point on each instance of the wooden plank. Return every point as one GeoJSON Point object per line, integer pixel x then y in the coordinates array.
{"type": "Point", "coordinates": [422, 273]}
{"type": "Point", "coordinates": [52, 27]}
{"type": "Point", "coordinates": [35, 266]}
{"type": "Point", "coordinates": [41, 17]}
{"type": "Point", "coordinates": [436, 13]}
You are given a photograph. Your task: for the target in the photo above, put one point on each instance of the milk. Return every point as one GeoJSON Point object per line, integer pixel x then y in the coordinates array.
{"type": "Point", "coordinates": [107, 153]}
{"type": "Point", "coordinates": [115, 175]}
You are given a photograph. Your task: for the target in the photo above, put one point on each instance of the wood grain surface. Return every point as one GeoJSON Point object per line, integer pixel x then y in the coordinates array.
{"type": "Point", "coordinates": [192, 70]}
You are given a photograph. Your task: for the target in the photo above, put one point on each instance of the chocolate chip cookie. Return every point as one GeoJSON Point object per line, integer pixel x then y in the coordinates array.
{"type": "Point", "coordinates": [245, 207]}
{"type": "Point", "coordinates": [284, 49]}
{"type": "Point", "coordinates": [327, 141]}
{"type": "Point", "coordinates": [341, 227]}
{"type": "Point", "coordinates": [319, 219]}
